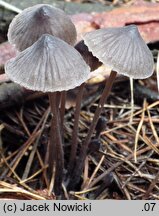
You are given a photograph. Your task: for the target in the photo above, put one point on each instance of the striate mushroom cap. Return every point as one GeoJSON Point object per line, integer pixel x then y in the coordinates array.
{"type": "Point", "coordinates": [49, 65]}
{"type": "Point", "coordinates": [123, 49]}
{"type": "Point", "coordinates": [28, 26]}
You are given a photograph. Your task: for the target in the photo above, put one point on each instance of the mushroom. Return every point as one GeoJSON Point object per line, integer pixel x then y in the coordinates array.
{"type": "Point", "coordinates": [50, 65]}
{"type": "Point", "coordinates": [90, 59]}
{"type": "Point", "coordinates": [93, 63]}
{"type": "Point", "coordinates": [29, 25]}
{"type": "Point", "coordinates": [100, 126]}
{"type": "Point", "coordinates": [124, 50]}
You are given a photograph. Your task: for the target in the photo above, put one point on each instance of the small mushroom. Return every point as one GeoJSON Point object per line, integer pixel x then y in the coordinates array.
{"type": "Point", "coordinates": [100, 126]}
{"type": "Point", "coordinates": [50, 65]}
{"type": "Point", "coordinates": [124, 50]}
{"type": "Point", "coordinates": [93, 63]}
{"type": "Point", "coordinates": [94, 146]}
{"type": "Point", "coordinates": [29, 25]}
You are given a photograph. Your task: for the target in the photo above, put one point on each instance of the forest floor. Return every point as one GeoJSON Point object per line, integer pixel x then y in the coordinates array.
{"type": "Point", "coordinates": [126, 164]}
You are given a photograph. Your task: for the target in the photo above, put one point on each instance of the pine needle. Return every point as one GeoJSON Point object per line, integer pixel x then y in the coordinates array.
{"type": "Point", "coordinates": [10, 7]}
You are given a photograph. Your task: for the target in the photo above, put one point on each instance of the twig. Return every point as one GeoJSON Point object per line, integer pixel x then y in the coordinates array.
{"type": "Point", "coordinates": [153, 183]}
{"type": "Point", "coordinates": [10, 7]}
{"type": "Point", "coordinates": [114, 166]}
{"type": "Point", "coordinates": [31, 157]}
{"type": "Point", "coordinates": [138, 131]}
{"type": "Point", "coordinates": [157, 71]}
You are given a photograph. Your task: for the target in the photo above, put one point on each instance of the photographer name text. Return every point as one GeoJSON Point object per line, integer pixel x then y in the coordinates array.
{"type": "Point", "coordinates": [45, 207]}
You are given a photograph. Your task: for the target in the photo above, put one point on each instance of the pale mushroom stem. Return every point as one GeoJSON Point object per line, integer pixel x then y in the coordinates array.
{"type": "Point", "coordinates": [56, 145]}
{"type": "Point", "coordinates": [80, 162]}
{"type": "Point", "coordinates": [74, 141]}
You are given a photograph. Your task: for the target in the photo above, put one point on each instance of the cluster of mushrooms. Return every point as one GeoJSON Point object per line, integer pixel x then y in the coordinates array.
{"type": "Point", "coordinates": [48, 61]}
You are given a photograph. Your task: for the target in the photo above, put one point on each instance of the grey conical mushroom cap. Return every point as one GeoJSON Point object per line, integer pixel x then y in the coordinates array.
{"type": "Point", "coordinates": [49, 65]}
{"type": "Point", "coordinates": [123, 49]}
{"type": "Point", "coordinates": [28, 26]}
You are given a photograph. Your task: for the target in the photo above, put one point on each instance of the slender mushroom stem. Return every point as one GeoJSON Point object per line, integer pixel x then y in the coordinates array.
{"type": "Point", "coordinates": [132, 99]}
{"type": "Point", "coordinates": [80, 162]}
{"type": "Point", "coordinates": [74, 142]}
{"type": "Point", "coordinates": [58, 97]}
{"type": "Point", "coordinates": [56, 144]}
{"type": "Point", "coordinates": [52, 147]}
{"type": "Point", "coordinates": [62, 111]}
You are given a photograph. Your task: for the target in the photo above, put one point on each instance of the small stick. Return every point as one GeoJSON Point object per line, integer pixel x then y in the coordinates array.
{"type": "Point", "coordinates": [138, 131]}
{"type": "Point", "coordinates": [31, 157]}
{"type": "Point", "coordinates": [157, 71]}
{"type": "Point", "coordinates": [10, 7]}
{"type": "Point", "coordinates": [151, 186]}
